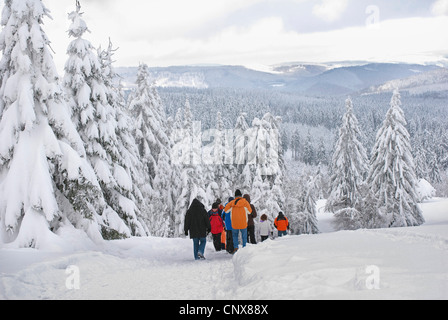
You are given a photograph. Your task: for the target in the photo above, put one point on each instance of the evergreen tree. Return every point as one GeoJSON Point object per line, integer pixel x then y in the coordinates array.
{"type": "Point", "coordinates": [223, 153]}
{"type": "Point", "coordinates": [150, 131]}
{"type": "Point", "coordinates": [302, 207]}
{"type": "Point", "coordinates": [349, 165]}
{"type": "Point", "coordinates": [260, 194]}
{"type": "Point", "coordinates": [186, 152]}
{"type": "Point", "coordinates": [276, 198]}
{"type": "Point", "coordinates": [308, 150]}
{"type": "Point", "coordinates": [392, 179]}
{"type": "Point", "coordinates": [154, 146]}
{"type": "Point", "coordinates": [321, 153]}
{"type": "Point", "coordinates": [296, 144]}
{"type": "Point", "coordinates": [309, 219]}
{"type": "Point", "coordinates": [45, 181]}
{"type": "Point", "coordinates": [241, 148]}
{"type": "Point", "coordinates": [128, 167]}
{"type": "Point", "coordinates": [96, 121]}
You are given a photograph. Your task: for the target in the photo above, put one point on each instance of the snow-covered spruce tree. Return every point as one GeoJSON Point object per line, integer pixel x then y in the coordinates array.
{"type": "Point", "coordinates": [301, 204]}
{"type": "Point", "coordinates": [129, 171]}
{"type": "Point", "coordinates": [164, 193]}
{"type": "Point", "coordinates": [392, 179]}
{"type": "Point", "coordinates": [264, 163]}
{"type": "Point", "coordinates": [218, 156]}
{"type": "Point", "coordinates": [349, 167]}
{"type": "Point", "coordinates": [147, 109]}
{"type": "Point", "coordinates": [308, 224]}
{"type": "Point", "coordinates": [45, 180]}
{"type": "Point", "coordinates": [242, 173]}
{"type": "Point", "coordinates": [163, 199]}
{"type": "Point", "coordinates": [260, 195]}
{"type": "Point", "coordinates": [308, 150]}
{"type": "Point", "coordinates": [96, 122]}
{"type": "Point", "coordinates": [275, 161]}
{"type": "Point", "coordinates": [185, 156]}
{"type": "Point", "coordinates": [296, 144]}
{"type": "Point", "coordinates": [154, 144]}
{"type": "Point", "coordinates": [276, 198]}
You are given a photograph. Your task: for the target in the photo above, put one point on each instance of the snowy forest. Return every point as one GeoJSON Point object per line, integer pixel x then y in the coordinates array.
{"type": "Point", "coordinates": [81, 149]}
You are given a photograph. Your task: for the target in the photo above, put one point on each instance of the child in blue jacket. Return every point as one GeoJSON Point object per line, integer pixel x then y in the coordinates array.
{"type": "Point", "coordinates": [228, 227]}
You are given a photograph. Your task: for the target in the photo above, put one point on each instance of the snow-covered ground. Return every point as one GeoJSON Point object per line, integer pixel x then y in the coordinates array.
{"type": "Point", "coordinates": [402, 263]}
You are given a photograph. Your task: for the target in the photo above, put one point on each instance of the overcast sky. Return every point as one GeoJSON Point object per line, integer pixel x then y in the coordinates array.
{"type": "Point", "coordinates": [257, 32]}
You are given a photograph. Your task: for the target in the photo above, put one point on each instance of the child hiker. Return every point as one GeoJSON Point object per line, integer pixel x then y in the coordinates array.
{"type": "Point", "coordinates": [217, 225]}
{"type": "Point", "coordinates": [228, 228]}
{"type": "Point", "coordinates": [281, 223]}
{"type": "Point", "coordinates": [264, 228]}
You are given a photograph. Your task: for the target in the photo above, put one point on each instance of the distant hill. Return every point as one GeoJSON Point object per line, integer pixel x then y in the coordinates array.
{"type": "Point", "coordinates": [308, 79]}
{"type": "Point", "coordinates": [346, 80]}
{"type": "Point", "coordinates": [432, 81]}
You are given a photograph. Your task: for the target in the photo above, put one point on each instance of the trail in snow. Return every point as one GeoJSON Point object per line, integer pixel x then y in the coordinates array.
{"type": "Point", "coordinates": [138, 268]}
{"type": "Point", "coordinates": [412, 264]}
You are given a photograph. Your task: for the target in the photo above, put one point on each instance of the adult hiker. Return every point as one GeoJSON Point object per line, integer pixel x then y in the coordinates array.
{"type": "Point", "coordinates": [197, 223]}
{"type": "Point", "coordinates": [240, 208]}
{"type": "Point", "coordinates": [281, 223]}
{"type": "Point", "coordinates": [217, 225]}
{"type": "Point", "coordinates": [250, 222]}
{"type": "Point", "coordinates": [226, 216]}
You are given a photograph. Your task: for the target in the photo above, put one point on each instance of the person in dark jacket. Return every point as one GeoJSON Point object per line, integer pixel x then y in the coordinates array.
{"type": "Point", "coordinates": [197, 223]}
{"type": "Point", "coordinates": [250, 222]}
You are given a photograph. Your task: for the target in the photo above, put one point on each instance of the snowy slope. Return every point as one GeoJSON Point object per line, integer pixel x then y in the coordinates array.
{"type": "Point", "coordinates": [432, 81]}
{"type": "Point", "coordinates": [402, 263]}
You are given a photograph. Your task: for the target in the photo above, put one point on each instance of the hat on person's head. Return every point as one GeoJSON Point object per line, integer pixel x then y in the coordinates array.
{"type": "Point", "coordinates": [231, 199]}
{"type": "Point", "coordinates": [215, 205]}
{"type": "Point", "coordinates": [238, 193]}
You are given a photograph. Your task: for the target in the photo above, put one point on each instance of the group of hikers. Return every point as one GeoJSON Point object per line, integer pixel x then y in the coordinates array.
{"type": "Point", "coordinates": [227, 222]}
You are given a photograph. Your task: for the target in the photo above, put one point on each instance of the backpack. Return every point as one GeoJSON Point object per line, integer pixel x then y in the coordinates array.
{"type": "Point", "coordinates": [216, 223]}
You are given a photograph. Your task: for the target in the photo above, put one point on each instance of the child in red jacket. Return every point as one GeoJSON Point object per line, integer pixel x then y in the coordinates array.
{"type": "Point", "coordinates": [217, 226]}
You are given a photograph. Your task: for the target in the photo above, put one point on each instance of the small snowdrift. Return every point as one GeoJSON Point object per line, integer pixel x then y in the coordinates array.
{"type": "Point", "coordinates": [344, 265]}
{"type": "Point", "coordinates": [401, 263]}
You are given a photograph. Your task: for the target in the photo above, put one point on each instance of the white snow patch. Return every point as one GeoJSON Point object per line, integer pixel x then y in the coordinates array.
{"type": "Point", "coordinates": [425, 191]}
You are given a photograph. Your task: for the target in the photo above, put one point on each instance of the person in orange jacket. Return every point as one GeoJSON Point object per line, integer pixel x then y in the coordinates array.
{"type": "Point", "coordinates": [281, 223]}
{"type": "Point", "coordinates": [240, 209]}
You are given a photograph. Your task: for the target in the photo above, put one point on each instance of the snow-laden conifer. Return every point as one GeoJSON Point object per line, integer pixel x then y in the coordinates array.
{"type": "Point", "coordinates": [97, 123]}
{"type": "Point", "coordinates": [188, 171]}
{"type": "Point", "coordinates": [150, 132]}
{"type": "Point", "coordinates": [45, 181]}
{"type": "Point", "coordinates": [130, 200]}
{"type": "Point", "coordinates": [308, 220]}
{"type": "Point", "coordinates": [392, 180]}
{"type": "Point", "coordinates": [349, 165]}
{"type": "Point", "coordinates": [154, 145]}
